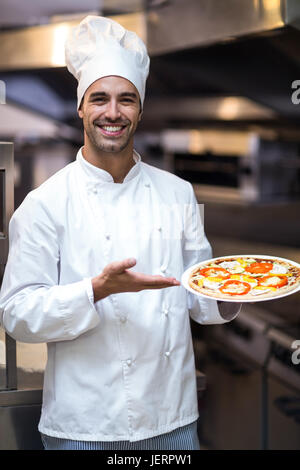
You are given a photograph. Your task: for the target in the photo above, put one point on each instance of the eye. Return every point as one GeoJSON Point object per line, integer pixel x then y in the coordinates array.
{"type": "Point", "coordinates": [98, 100]}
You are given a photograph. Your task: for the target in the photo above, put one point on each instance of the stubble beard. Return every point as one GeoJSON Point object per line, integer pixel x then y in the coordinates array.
{"type": "Point", "coordinates": [101, 144]}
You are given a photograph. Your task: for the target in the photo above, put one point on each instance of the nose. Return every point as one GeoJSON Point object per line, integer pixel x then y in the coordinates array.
{"type": "Point", "coordinates": [112, 111]}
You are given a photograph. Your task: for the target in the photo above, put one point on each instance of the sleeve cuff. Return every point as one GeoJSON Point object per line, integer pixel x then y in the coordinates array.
{"type": "Point", "coordinates": [80, 310]}
{"type": "Point", "coordinates": [208, 312]}
{"type": "Point", "coordinates": [89, 289]}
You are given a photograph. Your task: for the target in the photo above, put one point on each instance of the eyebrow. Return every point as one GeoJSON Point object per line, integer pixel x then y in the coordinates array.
{"type": "Point", "coordinates": [102, 94]}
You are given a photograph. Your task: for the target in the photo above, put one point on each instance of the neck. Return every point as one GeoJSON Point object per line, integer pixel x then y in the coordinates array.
{"type": "Point", "coordinates": [117, 164]}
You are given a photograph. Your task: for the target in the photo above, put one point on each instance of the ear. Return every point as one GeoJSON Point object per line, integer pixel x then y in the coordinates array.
{"type": "Point", "coordinates": [80, 113]}
{"type": "Point", "coordinates": [140, 115]}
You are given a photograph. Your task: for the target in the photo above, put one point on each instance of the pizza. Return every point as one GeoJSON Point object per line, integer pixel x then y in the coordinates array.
{"type": "Point", "coordinates": [245, 277]}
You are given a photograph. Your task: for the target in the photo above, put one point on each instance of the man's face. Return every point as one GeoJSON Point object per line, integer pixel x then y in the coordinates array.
{"type": "Point", "coordinates": [110, 113]}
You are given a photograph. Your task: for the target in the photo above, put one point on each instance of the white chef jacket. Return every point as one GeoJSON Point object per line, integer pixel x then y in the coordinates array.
{"type": "Point", "coordinates": [121, 368]}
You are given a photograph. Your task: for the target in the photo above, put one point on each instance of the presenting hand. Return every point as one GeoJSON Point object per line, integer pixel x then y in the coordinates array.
{"type": "Point", "coordinates": [116, 277]}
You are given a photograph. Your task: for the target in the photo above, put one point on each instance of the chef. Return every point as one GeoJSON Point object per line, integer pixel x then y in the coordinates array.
{"type": "Point", "coordinates": [96, 255]}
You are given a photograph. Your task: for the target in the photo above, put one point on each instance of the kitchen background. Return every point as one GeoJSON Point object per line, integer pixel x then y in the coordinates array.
{"type": "Point", "coordinates": [221, 111]}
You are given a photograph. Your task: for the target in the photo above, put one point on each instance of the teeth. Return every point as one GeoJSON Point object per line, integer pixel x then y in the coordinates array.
{"type": "Point", "coordinates": [112, 128]}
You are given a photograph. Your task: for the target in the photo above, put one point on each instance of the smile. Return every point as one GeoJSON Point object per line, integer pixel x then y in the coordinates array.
{"type": "Point", "coordinates": [112, 130]}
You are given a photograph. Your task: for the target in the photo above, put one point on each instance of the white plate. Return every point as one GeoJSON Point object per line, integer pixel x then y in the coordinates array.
{"type": "Point", "coordinates": [186, 275]}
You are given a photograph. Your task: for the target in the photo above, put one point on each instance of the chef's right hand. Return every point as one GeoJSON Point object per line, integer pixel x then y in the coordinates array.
{"type": "Point", "coordinates": [116, 277]}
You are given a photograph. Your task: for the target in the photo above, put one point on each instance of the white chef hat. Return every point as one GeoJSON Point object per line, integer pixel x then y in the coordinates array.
{"type": "Point", "coordinates": [99, 47]}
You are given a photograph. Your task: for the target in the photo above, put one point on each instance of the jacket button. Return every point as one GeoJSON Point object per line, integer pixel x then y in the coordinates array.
{"type": "Point", "coordinates": [107, 236]}
{"type": "Point", "coordinates": [166, 311]}
{"type": "Point", "coordinates": [167, 353]}
{"type": "Point", "coordinates": [163, 269]}
{"type": "Point", "coordinates": [129, 362]}
{"type": "Point", "coordinates": [123, 319]}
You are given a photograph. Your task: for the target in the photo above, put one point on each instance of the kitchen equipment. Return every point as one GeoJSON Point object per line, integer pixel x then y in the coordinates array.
{"type": "Point", "coordinates": [6, 210]}
{"type": "Point", "coordinates": [253, 382]}
{"type": "Point", "coordinates": [254, 170]}
{"type": "Point", "coordinates": [19, 408]}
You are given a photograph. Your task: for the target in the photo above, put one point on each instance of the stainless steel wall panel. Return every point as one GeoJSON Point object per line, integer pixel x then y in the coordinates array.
{"type": "Point", "coordinates": [6, 197]}
{"type": "Point", "coordinates": [185, 24]}
{"type": "Point", "coordinates": [43, 46]}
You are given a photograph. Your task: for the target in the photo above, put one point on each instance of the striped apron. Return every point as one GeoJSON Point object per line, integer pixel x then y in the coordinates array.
{"type": "Point", "coordinates": [183, 438]}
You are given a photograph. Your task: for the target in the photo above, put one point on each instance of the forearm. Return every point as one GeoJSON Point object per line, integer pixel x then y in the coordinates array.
{"type": "Point", "coordinates": [40, 314]}
{"type": "Point", "coordinates": [101, 288]}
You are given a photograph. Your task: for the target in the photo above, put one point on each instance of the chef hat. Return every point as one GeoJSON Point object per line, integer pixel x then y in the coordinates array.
{"type": "Point", "coordinates": [99, 47]}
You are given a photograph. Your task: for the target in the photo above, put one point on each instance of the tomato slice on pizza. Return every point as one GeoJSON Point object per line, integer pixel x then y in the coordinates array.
{"type": "Point", "coordinates": [234, 287]}
{"type": "Point", "coordinates": [277, 280]}
{"type": "Point", "coordinates": [215, 272]}
{"type": "Point", "coordinates": [260, 267]}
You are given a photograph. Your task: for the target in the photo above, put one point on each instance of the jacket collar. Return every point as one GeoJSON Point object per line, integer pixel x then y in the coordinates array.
{"type": "Point", "coordinates": [102, 176]}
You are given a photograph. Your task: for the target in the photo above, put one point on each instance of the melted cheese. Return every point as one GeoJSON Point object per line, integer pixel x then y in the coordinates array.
{"type": "Point", "coordinates": [214, 285]}
{"type": "Point", "coordinates": [271, 281]}
{"type": "Point", "coordinates": [229, 264]}
{"type": "Point", "coordinates": [233, 267]}
{"type": "Point", "coordinates": [244, 278]}
{"type": "Point", "coordinates": [278, 269]}
{"type": "Point", "coordinates": [235, 288]}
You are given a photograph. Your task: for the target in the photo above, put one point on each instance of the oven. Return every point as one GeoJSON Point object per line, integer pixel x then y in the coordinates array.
{"type": "Point", "coordinates": [252, 398]}
{"type": "Point", "coordinates": [234, 166]}
{"type": "Point", "coordinates": [234, 357]}
{"type": "Point", "coordinates": [283, 387]}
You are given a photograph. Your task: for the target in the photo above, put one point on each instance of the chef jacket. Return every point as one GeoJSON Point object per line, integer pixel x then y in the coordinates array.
{"type": "Point", "coordinates": [121, 368]}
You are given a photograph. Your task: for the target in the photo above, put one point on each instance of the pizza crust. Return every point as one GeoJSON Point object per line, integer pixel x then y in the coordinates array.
{"type": "Point", "coordinates": [216, 294]}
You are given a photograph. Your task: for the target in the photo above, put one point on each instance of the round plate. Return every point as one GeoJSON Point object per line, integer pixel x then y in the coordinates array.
{"type": "Point", "coordinates": [186, 275]}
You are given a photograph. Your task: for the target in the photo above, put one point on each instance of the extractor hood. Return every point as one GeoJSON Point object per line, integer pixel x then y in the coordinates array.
{"type": "Point", "coordinates": [42, 46]}
{"type": "Point", "coordinates": [199, 49]}
{"type": "Point", "coordinates": [183, 24]}
{"type": "Point", "coordinates": [166, 27]}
